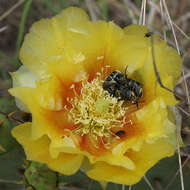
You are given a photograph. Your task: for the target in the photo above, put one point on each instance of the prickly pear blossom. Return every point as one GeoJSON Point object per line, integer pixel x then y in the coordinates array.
{"type": "Point", "coordinates": [75, 122]}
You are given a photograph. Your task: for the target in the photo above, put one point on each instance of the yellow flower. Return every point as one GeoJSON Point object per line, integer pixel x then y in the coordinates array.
{"type": "Point", "coordinates": [75, 123]}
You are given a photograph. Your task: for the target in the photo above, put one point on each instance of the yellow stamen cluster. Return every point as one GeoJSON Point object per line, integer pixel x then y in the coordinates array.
{"type": "Point", "coordinates": [95, 111]}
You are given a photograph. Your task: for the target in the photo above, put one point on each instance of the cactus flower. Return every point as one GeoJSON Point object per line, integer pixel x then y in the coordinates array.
{"type": "Point", "coordinates": [75, 122]}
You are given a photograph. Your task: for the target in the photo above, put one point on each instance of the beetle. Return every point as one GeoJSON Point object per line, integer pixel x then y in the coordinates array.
{"type": "Point", "coordinates": [120, 86]}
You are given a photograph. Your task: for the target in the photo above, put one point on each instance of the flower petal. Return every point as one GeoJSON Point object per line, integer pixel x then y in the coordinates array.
{"type": "Point", "coordinates": [39, 150]}
{"type": "Point", "coordinates": [46, 103]}
{"type": "Point", "coordinates": [50, 94]}
{"type": "Point", "coordinates": [167, 61]}
{"type": "Point", "coordinates": [24, 95]}
{"type": "Point", "coordinates": [156, 126]}
{"type": "Point", "coordinates": [132, 51]}
{"type": "Point", "coordinates": [117, 160]}
{"type": "Point", "coordinates": [144, 159]}
{"type": "Point", "coordinates": [47, 37]}
{"type": "Point", "coordinates": [23, 77]}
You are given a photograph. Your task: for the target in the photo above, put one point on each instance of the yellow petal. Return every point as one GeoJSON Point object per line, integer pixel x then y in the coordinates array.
{"type": "Point", "coordinates": [67, 164]}
{"type": "Point", "coordinates": [61, 144]}
{"type": "Point", "coordinates": [47, 40]}
{"type": "Point", "coordinates": [117, 160]}
{"type": "Point", "coordinates": [38, 150]}
{"type": "Point", "coordinates": [138, 30]}
{"type": "Point", "coordinates": [131, 50]}
{"type": "Point", "coordinates": [154, 119]}
{"type": "Point", "coordinates": [44, 121]}
{"type": "Point", "coordinates": [167, 60]}
{"type": "Point", "coordinates": [144, 160]}
{"type": "Point", "coordinates": [50, 94]}
{"type": "Point", "coordinates": [26, 95]}
{"type": "Point", "coordinates": [23, 77]}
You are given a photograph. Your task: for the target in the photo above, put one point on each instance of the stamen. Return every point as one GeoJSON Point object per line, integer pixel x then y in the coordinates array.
{"type": "Point", "coordinates": [96, 112]}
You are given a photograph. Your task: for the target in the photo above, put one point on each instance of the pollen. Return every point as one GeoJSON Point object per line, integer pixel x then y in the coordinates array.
{"type": "Point", "coordinates": [95, 112]}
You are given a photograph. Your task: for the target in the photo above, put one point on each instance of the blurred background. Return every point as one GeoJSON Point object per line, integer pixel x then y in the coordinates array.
{"type": "Point", "coordinates": [16, 17]}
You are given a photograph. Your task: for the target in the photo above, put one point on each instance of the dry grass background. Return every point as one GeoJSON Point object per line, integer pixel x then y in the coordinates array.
{"type": "Point", "coordinates": [16, 17]}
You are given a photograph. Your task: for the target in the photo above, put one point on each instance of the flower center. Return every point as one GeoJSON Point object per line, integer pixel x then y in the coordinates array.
{"type": "Point", "coordinates": [95, 112]}
{"type": "Point", "coordinates": [101, 106]}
